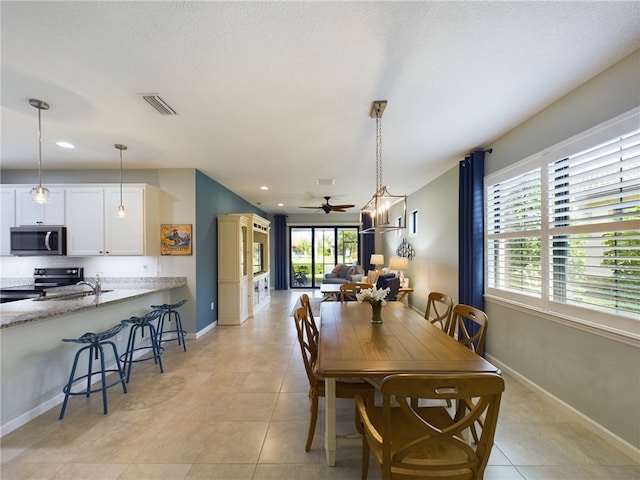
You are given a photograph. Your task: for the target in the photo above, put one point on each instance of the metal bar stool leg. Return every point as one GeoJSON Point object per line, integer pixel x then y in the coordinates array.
{"type": "Point", "coordinates": [67, 388]}
{"type": "Point", "coordinates": [119, 367]}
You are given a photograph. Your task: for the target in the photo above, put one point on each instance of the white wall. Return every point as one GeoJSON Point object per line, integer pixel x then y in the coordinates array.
{"type": "Point", "coordinates": [435, 264]}
{"type": "Point", "coordinates": [597, 376]}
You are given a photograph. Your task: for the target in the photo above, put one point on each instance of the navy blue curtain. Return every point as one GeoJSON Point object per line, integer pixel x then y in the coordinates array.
{"type": "Point", "coordinates": [281, 259]}
{"type": "Point", "coordinates": [471, 232]}
{"type": "Point", "coordinates": [367, 242]}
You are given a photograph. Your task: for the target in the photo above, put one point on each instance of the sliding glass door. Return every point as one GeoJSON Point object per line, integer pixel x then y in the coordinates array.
{"type": "Point", "coordinates": [316, 250]}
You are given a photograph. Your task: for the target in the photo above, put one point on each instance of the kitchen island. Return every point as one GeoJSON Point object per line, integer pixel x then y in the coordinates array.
{"type": "Point", "coordinates": [60, 301]}
{"type": "Point", "coordinates": [35, 363]}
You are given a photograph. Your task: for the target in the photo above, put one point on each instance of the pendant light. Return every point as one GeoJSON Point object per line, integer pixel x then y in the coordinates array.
{"type": "Point", "coordinates": [39, 194]}
{"type": "Point", "coordinates": [380, 205]}
{"type": "Point", "coordinates": [121, 211]}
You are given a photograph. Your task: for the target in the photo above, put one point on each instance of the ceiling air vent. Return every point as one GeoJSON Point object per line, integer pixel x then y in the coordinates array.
{"type": "Point", "coordinates": [325, 181]}
{"type": "Point", "coordinates": [158, 103]}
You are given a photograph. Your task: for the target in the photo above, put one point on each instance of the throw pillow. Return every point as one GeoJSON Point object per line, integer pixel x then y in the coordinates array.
{"type": "Point", "coordinates": [344, 271]}
{"type": "Point", "coordinates": [336, 269]}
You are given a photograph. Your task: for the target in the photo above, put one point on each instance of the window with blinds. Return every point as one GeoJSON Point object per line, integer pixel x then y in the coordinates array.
{"type": "Point", "coordinates": [594, 226]}
{"type": "Point", "coordinates": [514, 223]}
{"type": "Point", "coordinates": [563, 227]}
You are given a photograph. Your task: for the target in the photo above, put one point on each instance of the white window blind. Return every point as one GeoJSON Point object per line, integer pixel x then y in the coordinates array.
{"type": "Point", "coordinates": [514, 232]}
{"type": "Point", "coordinates": [594, 227]}
{"type": "Point", "coordinates": [563, 228]}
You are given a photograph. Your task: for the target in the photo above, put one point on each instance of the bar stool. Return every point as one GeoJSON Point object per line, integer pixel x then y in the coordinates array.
{"type": "Point", "coordinates": [166, 312]}
{"type": "Point", "coordinates": [95, 343]}
{"type": "Point", "coordinates": [151, 350]}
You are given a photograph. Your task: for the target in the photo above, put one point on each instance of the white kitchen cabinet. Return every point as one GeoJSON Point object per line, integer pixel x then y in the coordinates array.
{"type": "Point", "coordinates": [7, 218]}
{"type": "Point", "coordinates": [94, 228]}
{"type": "Point", "coordinates": [243, 267]}
{"type": "Point", "coordinates": [85, 221]}
{"type": "Point", "coordinates": [30, 213]}
{"type": "Point", "coordinates": [124, 236]}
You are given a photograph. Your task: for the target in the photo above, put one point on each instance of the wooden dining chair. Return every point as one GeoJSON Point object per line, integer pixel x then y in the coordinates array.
{"type": "Point", "coordinates": [348, 290]}
{"type": "Point", "coordinates": [306, 303]}
{"type": "Point", "coordinates": [438, 312]}
{"type": "Point", "coordinates": [469, 327]}
{"type": "Point", "coordinates": [472, 332]}
{"type": "Point", "coordinates": [426, 442]}
{"type": "Point", "coordinates": [439, 308]}
{"type": "Point", "coordinates": [344, 389]}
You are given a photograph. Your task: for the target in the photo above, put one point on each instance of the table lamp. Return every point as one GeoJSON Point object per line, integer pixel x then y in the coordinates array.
{"type": "Point", "coordinates": [399, 264]}
{"type": "Point", "coordinates": [377, 259]}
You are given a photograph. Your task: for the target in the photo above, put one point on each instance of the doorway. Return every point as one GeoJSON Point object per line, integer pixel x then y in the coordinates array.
{"type": "Point", "coordinates": [316, 250]}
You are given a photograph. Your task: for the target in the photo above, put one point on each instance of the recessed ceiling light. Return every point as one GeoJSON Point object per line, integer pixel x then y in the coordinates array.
{"type": "Point", "coordinates": [281, 204]}
{"type": "Point", "coordinates": [264, 187]}
{"type": "Point", "coordinates": [65, 144]}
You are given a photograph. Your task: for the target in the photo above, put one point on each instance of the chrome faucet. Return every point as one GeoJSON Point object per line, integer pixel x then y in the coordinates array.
{"type": "Point", "coordinates": [97, 288]}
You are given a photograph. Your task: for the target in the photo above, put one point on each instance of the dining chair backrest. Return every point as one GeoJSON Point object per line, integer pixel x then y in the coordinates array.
{"type": "Point", "coordinates": [469, 326]}
{"type": "Point", "coordinates": [411, 441]}
{"type": "Point", "coordinates": [306, 303]}
{"type": "Point", "coordinates": [308, 348]}
{"type": "Point", "coordinates": [348, 290]}
{"type": "Point", "coordinates": [439, 308]}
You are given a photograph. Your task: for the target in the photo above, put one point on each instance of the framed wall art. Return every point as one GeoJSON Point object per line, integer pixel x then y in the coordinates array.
{"type": "Point", "coordinates": [175, 239]}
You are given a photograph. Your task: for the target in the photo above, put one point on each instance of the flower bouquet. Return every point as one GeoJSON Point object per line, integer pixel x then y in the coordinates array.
{"type": "Point", "coordinates": [375, 297]}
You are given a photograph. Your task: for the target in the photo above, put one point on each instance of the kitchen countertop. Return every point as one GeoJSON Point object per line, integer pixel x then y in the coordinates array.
{"type": "Point", "coordinates": [54, 304]}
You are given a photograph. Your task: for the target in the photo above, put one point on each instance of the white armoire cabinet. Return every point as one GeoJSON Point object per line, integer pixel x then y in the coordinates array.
{"type": "Point", "coordinates": [243, 267]}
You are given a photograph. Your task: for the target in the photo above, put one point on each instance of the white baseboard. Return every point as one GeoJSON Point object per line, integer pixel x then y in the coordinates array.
{"type": "Point", "coordinates": [203, 331]}
{"type": "Point", "coordinates": [587, 422]}
{"type": "Point", "coordinates": [26, 417]}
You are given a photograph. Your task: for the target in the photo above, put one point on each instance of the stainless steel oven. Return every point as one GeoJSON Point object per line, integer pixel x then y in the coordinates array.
{"type": "Point", "coordinates": [43, 278]}
{"type": "Point", "coordinates": [35, 240]}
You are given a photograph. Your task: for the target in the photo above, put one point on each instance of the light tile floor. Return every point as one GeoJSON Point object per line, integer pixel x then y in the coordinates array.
{"type": "Point", "coordinates": [235, 406]}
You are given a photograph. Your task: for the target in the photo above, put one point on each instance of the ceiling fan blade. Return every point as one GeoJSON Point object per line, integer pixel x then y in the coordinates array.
{"type": "Point", "coordinates": [343, 206]}
{"type": "Point", "coordinates": [338, 209]}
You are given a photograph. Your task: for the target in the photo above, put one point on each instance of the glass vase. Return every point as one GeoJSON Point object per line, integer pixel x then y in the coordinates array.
{"type": "Point", "coordinates": [376, 315]}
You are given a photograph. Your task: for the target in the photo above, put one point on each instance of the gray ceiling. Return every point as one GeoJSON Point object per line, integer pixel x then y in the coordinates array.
{"type": "Point", "coordinates": [279, 93]}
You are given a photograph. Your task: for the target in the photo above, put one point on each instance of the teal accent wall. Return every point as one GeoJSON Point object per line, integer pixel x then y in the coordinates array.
{"type": "Point", "coordinates": [212, 199]}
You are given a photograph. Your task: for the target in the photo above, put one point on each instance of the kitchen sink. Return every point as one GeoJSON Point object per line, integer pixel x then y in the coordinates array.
{"type": "Point", "coordinates": [67, 296]}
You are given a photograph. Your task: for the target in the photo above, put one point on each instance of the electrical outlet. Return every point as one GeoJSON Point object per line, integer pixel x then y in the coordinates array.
{"type": "Point", "coordinates": [212, 305]}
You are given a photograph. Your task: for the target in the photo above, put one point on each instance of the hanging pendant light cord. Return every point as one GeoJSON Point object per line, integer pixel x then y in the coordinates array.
{"type": "Point", "coordinates": [378, 149]}
{"type": "Point", "coordinates": [120, 177]}
{"type": "Point", "coordinates": [39, 146]}
{"type": "Point", "coordinates": [121, 210]}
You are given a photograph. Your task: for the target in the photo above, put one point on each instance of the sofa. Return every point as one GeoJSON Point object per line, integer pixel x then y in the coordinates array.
{"type": "Point", "coordinates": [389, 280]}
{"type": "Point", "coordinates": [344, 274]}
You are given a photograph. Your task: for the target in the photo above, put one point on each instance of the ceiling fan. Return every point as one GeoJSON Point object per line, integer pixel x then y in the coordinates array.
{"type": "Point", "coordinates": [328, 208]}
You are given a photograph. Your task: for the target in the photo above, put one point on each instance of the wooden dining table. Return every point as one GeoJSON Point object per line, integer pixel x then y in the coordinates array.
{"type": "Point", "coordinates": [350, 346]}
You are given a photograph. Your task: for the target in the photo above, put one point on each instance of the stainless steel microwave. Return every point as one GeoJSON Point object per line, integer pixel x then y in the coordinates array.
{"type": "Point", "coordinates": [35, 240]}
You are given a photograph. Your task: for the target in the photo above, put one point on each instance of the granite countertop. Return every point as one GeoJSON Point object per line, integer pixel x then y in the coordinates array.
{"type": "Point", "coordinates": [63, 300]}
